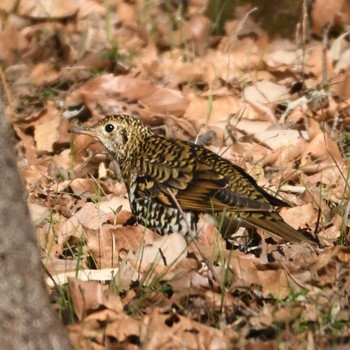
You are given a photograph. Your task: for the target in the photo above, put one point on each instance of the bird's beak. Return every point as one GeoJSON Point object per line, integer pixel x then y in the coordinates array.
{"type": "Point", "coordinates": [83, 130]}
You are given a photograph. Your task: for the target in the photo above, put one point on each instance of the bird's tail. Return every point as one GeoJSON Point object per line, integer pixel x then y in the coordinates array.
{"type": "Point", "coordinates": [270, 222]}
{"type": "Point", "coordinates": [275, 225]}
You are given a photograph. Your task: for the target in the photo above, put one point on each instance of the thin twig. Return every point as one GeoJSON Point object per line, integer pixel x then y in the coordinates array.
{"type": "Point", "coordinates": [302, 285]}
{"type": "Point", "coordinates": [302, 40]}
{"type": "Point", "coordinates": [6, 88]}
{"type": "Point", "coordinates": [324, 55]}
{"type": "Point", "coordinates": [239, 28]}
{"type": "Point", "coordinates": [319, 212]}
{"type": "Point", "coordinates": [235, 36]}
{"type": "Point", "coordinates": [54, 284]}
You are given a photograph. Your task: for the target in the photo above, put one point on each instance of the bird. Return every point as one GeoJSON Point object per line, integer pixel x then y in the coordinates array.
{"type": "Point", "coordinates": [170, 182]}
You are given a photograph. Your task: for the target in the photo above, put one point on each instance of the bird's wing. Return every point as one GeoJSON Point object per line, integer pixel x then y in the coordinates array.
{"type": "Point", "coordinates": [197, 187]}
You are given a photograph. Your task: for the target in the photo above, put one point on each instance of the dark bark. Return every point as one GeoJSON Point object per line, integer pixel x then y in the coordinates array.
{"type": "Point", "coordinates": [27, 320]}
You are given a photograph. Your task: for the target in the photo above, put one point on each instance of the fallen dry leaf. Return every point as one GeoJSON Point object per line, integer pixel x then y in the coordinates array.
{"type": "Point", "coordinates": [133, 92]}
{"type": "Point", "coordinates": [175, 330]}
{"type": "Point", "coordinates": [266, 92]}
{"type": "Point", "coordinates": [46, 131]}
{"type": "Point", "coordinates": [323, 12]}
{"type": "Point", "coordinates": [166, 250]}
{"type": "Point", "coordinates": [202, 71]}
{"type": "Point", "coordinates": [50, 9]}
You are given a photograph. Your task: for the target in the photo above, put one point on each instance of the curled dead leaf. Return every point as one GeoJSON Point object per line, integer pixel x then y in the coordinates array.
{"type": "Point", "coordinates": [50, 9]}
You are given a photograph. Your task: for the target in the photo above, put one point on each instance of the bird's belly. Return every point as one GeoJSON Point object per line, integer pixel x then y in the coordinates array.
{"type": "Point", "coordinates": [161, 218]}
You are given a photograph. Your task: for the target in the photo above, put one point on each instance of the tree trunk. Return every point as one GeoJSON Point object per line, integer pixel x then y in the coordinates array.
{"type": "Point", "coordinates": [26, 318]}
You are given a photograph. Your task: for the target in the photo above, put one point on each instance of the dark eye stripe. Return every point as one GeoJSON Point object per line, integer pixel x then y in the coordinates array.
{"type": "Point", "coordinates": [109, 128]}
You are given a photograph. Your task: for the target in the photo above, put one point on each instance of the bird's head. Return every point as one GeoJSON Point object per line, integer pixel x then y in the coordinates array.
{"type": "Point", "coordinates": [119, 134]}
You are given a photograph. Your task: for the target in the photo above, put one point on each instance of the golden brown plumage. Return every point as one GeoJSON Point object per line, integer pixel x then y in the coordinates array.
{"type": "Point", "coordinates": [202, 181]}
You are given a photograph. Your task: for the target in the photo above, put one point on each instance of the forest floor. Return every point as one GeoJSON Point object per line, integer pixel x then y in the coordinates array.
{"type": "Point", "coordinates": [277, 108]}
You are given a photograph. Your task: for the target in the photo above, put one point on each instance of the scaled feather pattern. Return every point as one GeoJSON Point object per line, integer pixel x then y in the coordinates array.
{"type": "Point", "coordinates": [201, 181]}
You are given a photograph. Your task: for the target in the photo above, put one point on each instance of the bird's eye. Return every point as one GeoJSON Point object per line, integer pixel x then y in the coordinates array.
{"type": "Point", "coordinates": [109, 128]}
